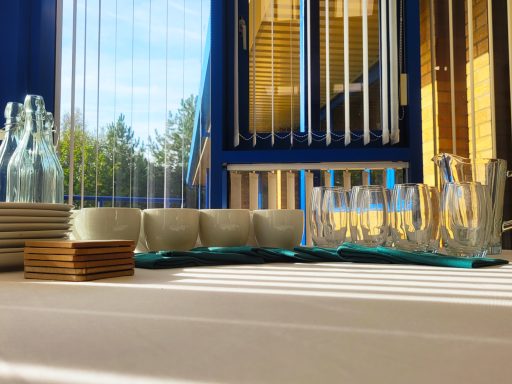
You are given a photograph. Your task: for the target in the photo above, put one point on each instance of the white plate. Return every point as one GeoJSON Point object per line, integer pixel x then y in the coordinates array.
{"type": "Point", "coordinates": [21, 242]}
{"type": "Point", "coordinates": [11, 261]}
{"type": "Point", "coordinates": [33, 219]}
{"type": "Point", "coordinates": [33, 234]}
{"type": "Point", "coordinates": [11, 250]}
{"type": "Point", "coordinates": [32, 226]}
{"type": "Point", "coordinates": [49, 206]}
{"type": "Point", "coordinates": [33, 212]}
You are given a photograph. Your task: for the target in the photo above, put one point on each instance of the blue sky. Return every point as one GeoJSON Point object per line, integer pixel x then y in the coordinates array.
{"type": "Point", "coordinates": [186, 19]}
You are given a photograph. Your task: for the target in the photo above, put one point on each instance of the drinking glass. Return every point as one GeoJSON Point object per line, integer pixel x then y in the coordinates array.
{"type": "Point", "coordinates": [435, 201]}
{"type": "Point", "coordinates": [389, 241]}
{"type": "Point", "coordinates": [412, 217]}
{"type": "Point", "coordinates": [316, 217]}
{"type": "Point", "coordinates": [466, 219]}
{"type": "Point", "coordinates": [334, 216]}
{"type": "Point", "coordinates": [368, 215]}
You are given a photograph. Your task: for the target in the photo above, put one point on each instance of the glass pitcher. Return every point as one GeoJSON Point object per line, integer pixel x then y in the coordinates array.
{"type": "Point", "coordinates": [13, 124]}
{"type": "Point", "coordinates": [29, 173]}
{"type": "Point", "coordinates": [489, 172]}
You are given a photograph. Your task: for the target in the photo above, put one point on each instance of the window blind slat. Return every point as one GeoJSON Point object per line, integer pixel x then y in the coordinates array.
{"type": "Point", "coordinates": [327, 76]}
{"type": "Point", "coordinates": [82, 175]}
{"type": "Point", "coordinates": [254, 132]}
{"type": "Point", "coordinates": [272, 69]}
{"type": "Point", "coordinates": [97, 106]}
{"type": "Point", "coordinates": [236, 118]}
{"type": "Point", "coordinates": [452, 78]}
{"type": "Point", "coordinates": [72, 117]}
{"type": "Point", "coordinates": [308, 41]}
{"type": "Point", "coordinates": [166, 160]}
{"type": "Point", "coordinates": [114, 149]}
{"type": "Point", "coordinates": [384, 70]}
{"type": "Point", "coordinates": [148, 154]}
{"type": "Point", "coordinates": [471, 79]}
{"type": "Point", "coordinates": [132, 170]}
{"type": "Point", "coordinates": [393, 74]}
{"type": "Point", "coordinates": [490, 40]}
{"type": "Point", "coordinates": [346, 67]}
{"type": "Point", "coordinates": [366, 96]}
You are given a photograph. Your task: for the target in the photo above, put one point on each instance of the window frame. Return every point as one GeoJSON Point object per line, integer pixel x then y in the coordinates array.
{"type": "Point", "coordinates": [224, 34]}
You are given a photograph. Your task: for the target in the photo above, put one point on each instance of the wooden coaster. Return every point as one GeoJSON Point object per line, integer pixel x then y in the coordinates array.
{"type": "Point", "coordinates": [95, 276]}
{"type": "Point", "coordinates": [74, 258]}
{"type": "Point", "coordinates": [78, 271]}
{"type": "Point", "coordinates": [74, 244]}
{"type": "Point", "coordinates": [79, 264]}
{"type": "Point", "coordinates": [81, 251]}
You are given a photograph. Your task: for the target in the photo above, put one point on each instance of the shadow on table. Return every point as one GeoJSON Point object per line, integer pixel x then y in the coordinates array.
{"type": "Point", "coordinates": [491, 286]}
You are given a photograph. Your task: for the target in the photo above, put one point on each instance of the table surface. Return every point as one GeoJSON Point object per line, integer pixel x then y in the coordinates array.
{"type": "Point", "coordinates": [273, 323]}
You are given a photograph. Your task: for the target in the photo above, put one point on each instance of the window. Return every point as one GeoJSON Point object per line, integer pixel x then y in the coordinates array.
{"type": "Point", "coordinates": [319, 71]}
{"type": "Point", "coordinates": [131, 75]}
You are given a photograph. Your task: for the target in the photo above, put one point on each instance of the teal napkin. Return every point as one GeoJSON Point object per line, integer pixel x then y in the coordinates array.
{"type": "Point", "coordinates": [321, 254]}
{"type": "Point", "coordinates": [381, 255]}
{"type": "Point", "coordinates": [194, 258]}
{"type": "Point", "coordinates": [347, 252]}
{"type": "Point", "coordinates": [210, 256]}
{"type": "Point", "coordinates": [269, 255]}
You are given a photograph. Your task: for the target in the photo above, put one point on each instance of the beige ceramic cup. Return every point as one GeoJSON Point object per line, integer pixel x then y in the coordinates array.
{"type": "Point", "coordinates": [224, 227]}
{"type": "Point", "coordinates": [108, 223]}
{"type": "Point", "coordinates": [280, 228]}
{"type": "Point", "coordinates": [170, 228]}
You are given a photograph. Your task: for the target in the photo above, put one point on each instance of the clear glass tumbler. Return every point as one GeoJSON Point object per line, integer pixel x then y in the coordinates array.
{"type": "Point", "coordinates": [435, 237]}
{"type": "Point", "coordinates": [389, 192]}
{"type": "Point", "coordinates": [412, 217]}
{"type": "Point", "coordinates": [316, 218]}
{"type": "Point", "coordinates": [368, 215]}
{"type": "Point", "coordinates": [466, 219]}
{"type": "Point", "coordinates": [335, 216]}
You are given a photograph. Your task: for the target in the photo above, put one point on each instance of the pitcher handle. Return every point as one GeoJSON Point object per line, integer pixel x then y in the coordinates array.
{"type": "Point", "coordinates": [507, 224]}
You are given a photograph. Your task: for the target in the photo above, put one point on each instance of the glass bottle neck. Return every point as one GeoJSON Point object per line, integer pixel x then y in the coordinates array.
{"type": "Point", "coordinates": [9, 126]}
{"type": "Point", "coordinates": [31, 129]}
{"type": "Point", "coordinates": [33, 123]}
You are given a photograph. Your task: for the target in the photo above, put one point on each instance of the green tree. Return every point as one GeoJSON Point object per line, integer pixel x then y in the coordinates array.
{"type": "Point", "coordinates": [122, 146]}
{"type": "Point", "coordinates": [84, 156]}
{"type": "Point", "coordinates": [115, 152]}
{"type": "Point", "coordinates": [170, 149]}
{"type": "Point", "coordinates": [116, 163]}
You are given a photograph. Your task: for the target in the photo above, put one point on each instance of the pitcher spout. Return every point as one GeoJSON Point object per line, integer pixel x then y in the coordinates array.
{"type": "Point", "coordinates": [452, 168]}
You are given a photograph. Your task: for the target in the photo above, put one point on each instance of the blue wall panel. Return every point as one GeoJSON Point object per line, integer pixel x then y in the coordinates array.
{"type": "Point", "coordinates": [221, 29]}
{"type": "Point", "coordinates": [413, 111]}
{"type": "Point", "coordinates": [223, 35]}
{"type": "Point", "coordinates": [28, 31]}
{"type": "Point", "coordinates": [15, 52]}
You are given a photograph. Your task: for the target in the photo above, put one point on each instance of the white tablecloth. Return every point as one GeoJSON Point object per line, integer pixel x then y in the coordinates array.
{"type": "Point", "coordinates": [274, 323]}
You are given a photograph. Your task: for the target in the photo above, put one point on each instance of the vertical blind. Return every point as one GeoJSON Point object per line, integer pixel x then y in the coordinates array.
{"type": "Point", "coordinates": [458, 79]}
{"type": "Point", "coordinates": [351, 57]}
{"type": "Point", "coordinates": [130, 76]}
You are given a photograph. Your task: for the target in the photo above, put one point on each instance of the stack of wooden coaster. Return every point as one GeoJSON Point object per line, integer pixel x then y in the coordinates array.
{"type": "Point", "coordinates": [78, 260]}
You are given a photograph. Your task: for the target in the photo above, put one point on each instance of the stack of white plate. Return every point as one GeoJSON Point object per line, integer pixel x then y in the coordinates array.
{"type": "Point", "coordinates": [20, 222]}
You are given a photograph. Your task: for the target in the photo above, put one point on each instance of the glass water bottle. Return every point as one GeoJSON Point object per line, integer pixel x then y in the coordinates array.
{"type": "Point", "coordinates": [30, 176]}
{"type": "Point", "coordinates": [58, 185]}
{"type": "Point", "coordinates": [13, 124]}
